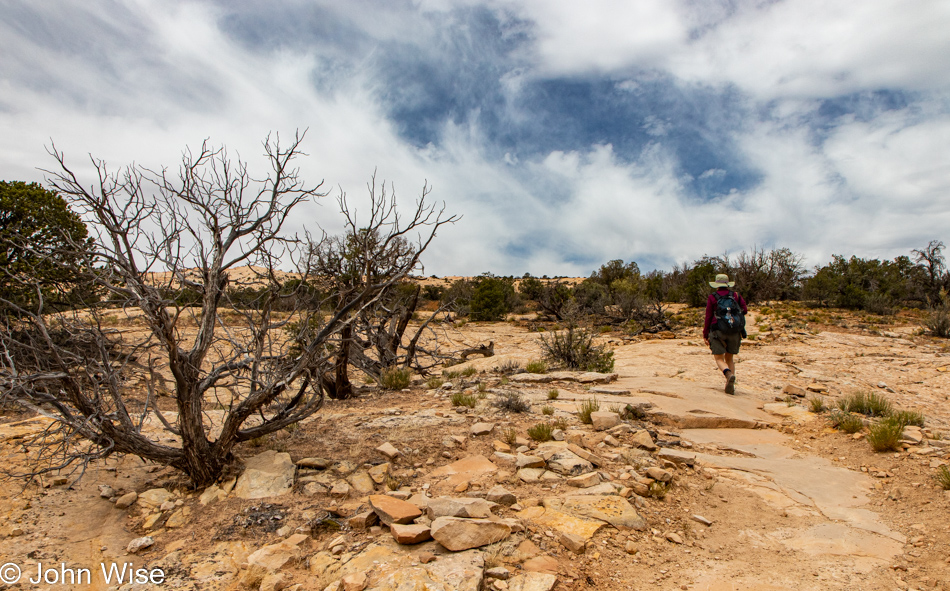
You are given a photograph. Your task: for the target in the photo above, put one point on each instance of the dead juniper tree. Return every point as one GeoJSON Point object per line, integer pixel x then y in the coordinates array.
{"type": "Point", "coordinates": [372, 250]}
{"type": "Point", "coordinates": [171, 365]}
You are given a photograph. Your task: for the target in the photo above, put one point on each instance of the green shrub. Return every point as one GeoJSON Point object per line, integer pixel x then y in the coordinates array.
{"type": "Point", "coordinates": [469, 372]}
{"type": "Point", "coordinates": [482, 387]}
{"type": "Point", "coordinates": [511, 435]}
{"type": "Point", "coordinates": [512, 402]}
{"type": "Point", "coordinates": [547, 410]}
{"type": "Point", "coordinates": [553, 394]}
{"type": "Point", "coordinates": [845, 421]}
{"type": "Point", "coordinates": [560, 423]}
{"type": "Point", "coordinates": [451, 374]}
{"type": "Point", "coordinates": [943, 477]}
{"type": "Point", "coordinates": [491, 299]}
{"type": "Point", "coordinates": [885, 435]}
{"type": "Point", "coordinates": [575, 349]}
{"type": "Point", "coordinates": [462, 399]}
{"type": "Point", "coordinates": [395, 378]}
{"type": "Point", "coordinates": [536, 367]}
{"type": "Point", "coordinates": [908, 417]}
{"type": "Point", "coordinates": [586, 408]}
{"type": "Point", "coordinates": [434, 382]}
{"type": "Point", "coordinates": [938, 321]}
{"type": "Point", "coordinates": [866, 403]}
{"type": "Point", "coordinates": [816, 404]}
{"type": "Point", "coordinates": [541, 432]}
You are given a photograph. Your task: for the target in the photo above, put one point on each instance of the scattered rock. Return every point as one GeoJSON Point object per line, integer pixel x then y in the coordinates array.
{"type": "Point", "coordinates": [532, 581]}
{"type": "Point", "coordinates": [612, 509]}
{"type": "Point", "coordinates": [659, 474]}
{"type": "Point", "coordinates": [472, 508]}
{"type": "Point", "coordinates": [362, 482]}
{"type": "Point", "coordinates": [603, 420]}
{"type": "Point", "coordinates": [363, 520]}
{"type": "Point", "coordinates": [314, 463]}
{"type": "Point", "coordinates": [212, 495]}
{"type": "Point", "coordinates": [793, 390]}
{"type": "Point", "coordinates": [391, 510]}
{"type": "Point", "coordinates": [410, 533]}
{"type": "Point", "coordinates": [501, 496]}
{"type": "Point", "coordinates": [674, 537]}
{"type": "Point", "coordinates": [388, 450]}
{"type": "Point", "coordinates": [568, 463]}
{"type": "Point", "coordinates": [106, 491]}
{"type": "Point", "coordinates": [525, 461]}
{"type": "Point", "coordinates": [354, 582]}
{"type": "Point", "coordinates": [479, 429]}
{"type": "Point", "coordinates": [540, 564]}
{"type": "Point", "coordinates": [573, 542]}
{"type": "Point", "coordinates": [584, 480]}
{"type": "Point", "coordinates": [126, 500]}
{"type": "Point", "coordinates": [593, 377]}
{"type": "Point", "coordinates": [139, 544]}
{"type": "Point", "coordinates": [458, 534]}
{"type": "Point", "coordinates": [154, 498]}
{"type": "Point", "coordinates": [701, 519]}
{"type": "Point", "coordinates": [268, 474]}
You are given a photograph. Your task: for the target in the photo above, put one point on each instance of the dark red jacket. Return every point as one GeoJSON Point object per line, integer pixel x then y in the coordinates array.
{"type": "Point", "coordinates": [711, 308]}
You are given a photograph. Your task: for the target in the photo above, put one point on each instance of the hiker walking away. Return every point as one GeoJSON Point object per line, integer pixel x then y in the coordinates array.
{"type": "Point", "coordinates": [724, 327]}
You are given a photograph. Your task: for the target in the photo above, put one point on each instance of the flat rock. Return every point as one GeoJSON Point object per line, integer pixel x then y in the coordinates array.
{"type": "Point", "coordinates": [532, 581]}
{"type": "Point", "coordinates": [391, 510]}
{"type": "Point", "coordinates": [526, 461]}
{"type": "Point", "coordinates": [659, 474]}
{"type": "Point", "coordinates": [458, 534]}
{"type": "Point", "coordinates": [154, 498]}
{"type": "Point", "coordinates": [603, 420]}
{"type": "Point", "coordinates": [677, 456]}
{"type": "Point", "coordinates": [472, 508]}
{"type": "Point", "coordinates": [465, 469]}
{"type": "Point", "coordinates": [139, 544]}
{"type": "Point", "coordinates": [562, 522]}
{"type": "Point", "coordinates": [584, 480]}
{"type": "Point", "coordinates": [612, 509]}
{"type": "Point", "coordinates": [479, 429]}
{"type": "Point", "coordinates": [388, 450]}
{"type": "Point", "coordinates": [643, 440]}
{"type": "Point", "coordinates": [541, 565]}
{"type": "Point", "coordinates": [410, 533]}
{"type": "Point", "coordinates": [268, 474]}
{"type": "Point", "coordinates": [593, 377]}
{"type": "Point", "coordinates": [573, 542]}
{"type": "Point", "coordinates": [379, 472]}
{"type": "Point", "coordinates": [610, 391]}
{"type": "Point", "coordinates": [274, 556]}
{"type": "Point", "coordinates": [462, 571]}
{"type": "Point", "coordinates": [502, 496]}
{"type": "Point", "coordinates": [793, 390]}
{"type": "Point", "coordinates": [567, 463]}
{"type": "Point", "coordinates": [126, 500]}
{"type": "Point", "coordinates": [532, 378]}
{"type": "Point", "coordinates": [362, 482]}
{"type": "Point", "coordinates": [585, 454]}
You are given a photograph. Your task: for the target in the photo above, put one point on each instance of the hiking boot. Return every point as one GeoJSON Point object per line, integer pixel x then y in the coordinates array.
{"type": "Point", "coordinates": [730, 383]}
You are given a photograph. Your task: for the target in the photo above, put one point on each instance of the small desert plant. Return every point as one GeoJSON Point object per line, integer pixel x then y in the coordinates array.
{"type": "Point", "coordinates": [395, 378]}
{"type": "Point", "coordinates": [508, 367]}
{"type": "Point", "coordinates": [816, 404]}
{"type": "Point", "coordinates": [560, 423]}
{"type": "Point", "coordinates": [511, 435]}
{"type": "Point", "coordinates": [908, 417]}
{"type": "Point", "coordinates": [845, 421]}
{"type": "Point", "coordinates": [434, 382]}
{"type": "Point", "coordinates": [553, 394]}
{"type": "Point", "coordinates": [575, 349]}
{"type": "Point", "coordinates": [482, 387]}
{"type": "Point", "coordinates": [469, 372]}
{"type": "Point", "coordinates": [451, 374]}
{"type": "Point", "coordinates": [790, 401]}
{"type": "Point", "coordinates": [630, 412]}
{"type": "Point", "coordinates": [885, 435]}
{"type": "Point", "coordinates": [658, 489]}
{"type": "Point", "coordinates": [394, 482]}
{"type": "Point", "coordinates": [943, 477]}
{"type": "Point", "coordinates": [463, 399]}
{"type": "Point", "coordinates": [938, 319]}
{"type": "Point", "coordinates": [866, 403]}
{"type": "Point", "coordinates": [547, 410]}
{"type": "Point", "coordinates": [541, 431]}
{"type": "Point", "coordinates": [512, 402]}
{"type": "Point", "coordinates": [586, 408]}
{"type": "Point", "coordinates": [537, 366]}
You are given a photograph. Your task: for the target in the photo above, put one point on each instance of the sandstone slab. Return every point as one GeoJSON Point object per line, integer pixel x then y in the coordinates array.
{"type": "Point", "coordinates": [268, 474]}
{"type": "Point", "coordinates": [458, 534]}
{"type": "Point", "coordinates": [472, 508]}
{"type": "Point", "coordinates": [612, 509]}
{"type": "Point", "coordinates": [391, 510]}
{"type": "Point", "coordinates": [410, 533]}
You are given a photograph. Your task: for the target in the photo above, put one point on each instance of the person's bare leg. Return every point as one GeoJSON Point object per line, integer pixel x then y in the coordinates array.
{"type": "Point", "coordinates": [730, 361]}
{"type": "Point", "coordinates": [721, 362]}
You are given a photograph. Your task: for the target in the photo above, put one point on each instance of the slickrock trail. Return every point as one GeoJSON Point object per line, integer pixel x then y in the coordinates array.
{"type": "Point", "coordinates": [691, 489]}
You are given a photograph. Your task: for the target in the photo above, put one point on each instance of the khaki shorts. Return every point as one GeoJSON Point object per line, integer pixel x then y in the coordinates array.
{"type": "Point", "coordinates": [720, 344]}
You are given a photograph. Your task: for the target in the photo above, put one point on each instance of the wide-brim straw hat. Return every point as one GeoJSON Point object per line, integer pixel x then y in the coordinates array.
{"type": "Point", "coordinates": [722, 280]}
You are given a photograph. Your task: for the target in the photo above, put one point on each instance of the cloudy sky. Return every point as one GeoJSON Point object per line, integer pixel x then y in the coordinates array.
{"type": "Point", "coordinates": [565, 133]}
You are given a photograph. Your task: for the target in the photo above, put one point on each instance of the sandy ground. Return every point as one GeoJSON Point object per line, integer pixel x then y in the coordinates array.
{"type": "Point", "coordinates": [793, 503]}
